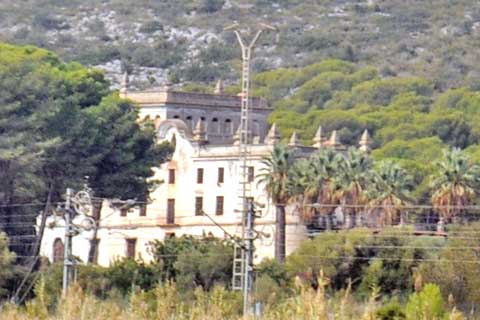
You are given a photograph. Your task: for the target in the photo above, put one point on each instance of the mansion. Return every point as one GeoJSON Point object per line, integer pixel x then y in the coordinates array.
{"type": "Point", "coordinates": [202, 176]}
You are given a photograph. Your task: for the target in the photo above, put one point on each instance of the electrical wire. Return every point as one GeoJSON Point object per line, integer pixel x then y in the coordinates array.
{"type": "Point", "coordinates": [325, 257]}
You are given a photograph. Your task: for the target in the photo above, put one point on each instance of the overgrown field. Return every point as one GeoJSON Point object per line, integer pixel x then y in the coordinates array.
{"type": "Point", "coordinates": [337, 275]}
{"type": "Point", "coordinates": [164, 302]}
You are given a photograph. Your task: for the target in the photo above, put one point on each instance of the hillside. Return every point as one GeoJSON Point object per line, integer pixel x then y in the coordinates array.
{"type": "Point", "coordinates": [437, 40]}
{"type": "Point", "coordinates": [404, 70]}
{"type": "Point", "coordinates": [410, 120]}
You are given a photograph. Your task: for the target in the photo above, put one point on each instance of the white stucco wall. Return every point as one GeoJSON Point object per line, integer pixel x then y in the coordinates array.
{"type": "Point", "coordinates": [115, 229]}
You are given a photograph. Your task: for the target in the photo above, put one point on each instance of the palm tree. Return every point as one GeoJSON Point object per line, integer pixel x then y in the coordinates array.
{"type": "Point", "coordinates": [274, 177]}
{"type": "Point", "coordinates": [390, 188]}
{"type": "Point", "coordinates": [310, 182]}
{"type": "Point", "coordinates": [303, 186]}
{"type": "Point", "coordinates": [454, 183]}
{"type": "Point", "coordinates": [350, 183]}
{"type": "Point", "coordinates": [327, 163]}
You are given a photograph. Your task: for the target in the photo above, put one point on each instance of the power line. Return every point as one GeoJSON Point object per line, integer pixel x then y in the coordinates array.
{"type": "Point", "coordinates": [31, 204]}
{"type": "Point", "coordinates": [326, 257]}
{"type": "Point", "coordinates": [367, 206]}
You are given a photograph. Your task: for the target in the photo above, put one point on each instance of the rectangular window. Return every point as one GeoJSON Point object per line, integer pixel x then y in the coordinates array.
{"type": "Point", "coordinates": [221, 175]}
{"type": "Point", "coordinates": [251, 174]}
{"type": "Point", "coordinates": [171, 176]}
{"type": "Point", "coordinates": [123, 212]}
{"type": "Point", "coordinates": [143, 210]}
{"type": "Point", "coordinates": [131, 247]}
{"type": "Point", "coordinates": [198, 206]}
{"type": "Point", "coordinates": [200, 175]}
{"type": "Point", "coordinates": [170, 211]}
{"type": "Point", "coordinates": [94, 252]}
{"type": "Point", "coordinates": [219, 206]}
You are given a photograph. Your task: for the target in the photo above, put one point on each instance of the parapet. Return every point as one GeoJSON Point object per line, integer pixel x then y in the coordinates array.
{"type": "Point", "coordinates": [162, 97]}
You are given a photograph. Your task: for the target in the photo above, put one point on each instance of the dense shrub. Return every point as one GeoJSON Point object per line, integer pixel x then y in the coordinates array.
{"type": "Point", "coordinates": [194, 262]}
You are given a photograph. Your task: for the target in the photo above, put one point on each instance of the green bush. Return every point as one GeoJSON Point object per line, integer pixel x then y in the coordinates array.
{"type": "Point", "coordinates": [426, 304]}
{"type": "Point", "coordinates": [390, 311]}
{"type": "Point", "coordinates": [330, 253]}
{"type": "Point", "coordinates": [194, 262]}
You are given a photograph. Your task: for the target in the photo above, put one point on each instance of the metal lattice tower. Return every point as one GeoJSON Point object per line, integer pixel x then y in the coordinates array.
{"type": "Point", "coordinates": [243, 255]}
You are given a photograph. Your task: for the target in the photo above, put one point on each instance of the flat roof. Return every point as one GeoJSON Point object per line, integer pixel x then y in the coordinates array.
{"type": "Point", "coordinates": [162, 97]}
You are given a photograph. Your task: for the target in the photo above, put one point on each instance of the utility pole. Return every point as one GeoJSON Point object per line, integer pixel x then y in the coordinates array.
{"type": "Point", "coordinates": [250, 248]}
{"type": "Point", "coordinates": [243, 255]}
{"type": "Point", "coordinates": [67, 253]}
{"type": "Point", "coordinates": [78, 205]}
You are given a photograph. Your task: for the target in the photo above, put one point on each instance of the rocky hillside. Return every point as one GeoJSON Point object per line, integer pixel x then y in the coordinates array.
{"type": "Point", "coordinates": [185, 39]}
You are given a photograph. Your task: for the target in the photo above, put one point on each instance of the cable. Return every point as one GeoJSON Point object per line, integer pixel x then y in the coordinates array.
{"type": "Point", "coordinates": [32, 204]}
{"type": "Point", "coordinates": [318, 256]}
{"type": "Point", "coordinates": [242, 245]}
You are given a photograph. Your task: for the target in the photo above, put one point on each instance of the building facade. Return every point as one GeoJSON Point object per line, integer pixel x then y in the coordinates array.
{"type": "Point", "coordinates": [203, 176]}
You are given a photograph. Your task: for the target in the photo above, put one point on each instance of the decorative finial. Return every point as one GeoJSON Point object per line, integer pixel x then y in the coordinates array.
{"type": "Point", "coordinates": [294, 142]}
{"type": "Point", "coordinates": [200, 133]}
{"type": "Point", "coordinates": [124, 85]}
{"type": "Point", "coordinates": [273, 136]}
{"type": "Point", "coordinates": [318, 140]}
{"type": "Point", "coordinates": [236, 137]}
{"type": "Point", "coordinates": [219, 88]}
{"type": "Point", "coordinates": [334, 142]}
{"type": "Point", "coordinates": [365, 142]}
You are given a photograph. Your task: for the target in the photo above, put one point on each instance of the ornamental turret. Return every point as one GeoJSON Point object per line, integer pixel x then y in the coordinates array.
{"type": "Point", "coordinates": [273, 136]}
{"type": "Point", "coordinates": [319, 140]}
{"type": "Point", "coordinates": [200, 132]}
{"type": "Point", "coordinates": [294, 142]}
{"type": "Point", "coordinates": [365, 142]}
{"type": "Point", "coordinates": [334, 141]}
{"type": "Point", "coordinates": [219, 87]}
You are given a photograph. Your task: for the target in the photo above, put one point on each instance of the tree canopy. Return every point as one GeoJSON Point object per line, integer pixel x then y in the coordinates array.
{"type": "Point", "coordinates": [60, 123]}
{"type": "Point", "coordinates": [410, 120]}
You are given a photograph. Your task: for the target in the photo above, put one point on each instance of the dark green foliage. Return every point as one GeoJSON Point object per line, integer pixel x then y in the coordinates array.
{"type": "Point", "coordinates": [125, 275]}
{"type": "Point", "coordinates": [46, 20]}
{"type": "Point", "coordinates": [6, 265]}
{"type": "Point", "coordinates": [396, 262]}
{"type": "Point", "coordinates": [426, 304]}
{"type": "Point", "coordinates": [276, 271]}
{"type": "Point", "coordinates": [59, 123]}
{"type": "Point", "coordinates": [193, 262]}
{"type": "Point", "coordinates": [151, 27]}
{"type": "Point", "coordinates": [432, 40]}
{"type": "Point", "coordinates": [329, 253]}
{"type": "Point", "coordinates": [409, 121]}
{"type": "Point", "coordinates": [120, 278]}
{"type": "Point", "coordinates": [452, 274]}
{"type": "Point", "coordinates": [346, 256]}
{"type": "Point", "coordinates": [391, 311]}
{"type": "Point", "coordinates": [209, 6]}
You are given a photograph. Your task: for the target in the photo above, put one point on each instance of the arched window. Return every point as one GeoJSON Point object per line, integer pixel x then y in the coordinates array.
{"type": "Point", "coordinates": [228, 127]}
{"type": "Point", "coordinates": [214, 127]}
{"type": "Point", "coordinates": [205, 123]}
{"type": "Point", "coordinates": [58, 250]}
{"type": "Point", "coordinates": [255, 128]}
{"type": "Point", "coordinates": [189, 122]}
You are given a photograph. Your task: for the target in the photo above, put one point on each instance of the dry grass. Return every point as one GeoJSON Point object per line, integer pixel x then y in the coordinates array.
{"type": "Point", "coordinates": [165, 303]}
